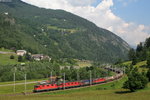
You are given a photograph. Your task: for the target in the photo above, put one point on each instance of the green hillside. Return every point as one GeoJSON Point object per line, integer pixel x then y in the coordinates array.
{"type": "Point", "coordinates": [57, 33]}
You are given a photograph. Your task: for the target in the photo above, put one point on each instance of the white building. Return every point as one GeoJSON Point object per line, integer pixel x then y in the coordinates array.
{"type": "Point", "coordinates": [21, 52]}
{"type": "Point", "coordinates": [6, 13]}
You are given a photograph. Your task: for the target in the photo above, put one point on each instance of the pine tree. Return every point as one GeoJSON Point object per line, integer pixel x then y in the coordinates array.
{"type": "Point", "coordinates": [134, 61]}
{"type": "Point", "coordinates": [148, 74]}
{"type": "Point", "coordinates": [139, 47]}
{"type": "Point", "coordinates": [132, 56]}
{"type": "Point", "coordinates": [20, 59]}
{"type": "Point", "coordinates": [27, 56]}
{"type": "Point", "coordinates": [147, 43]}
{"type": "Point", "coordinates": [148, 62]}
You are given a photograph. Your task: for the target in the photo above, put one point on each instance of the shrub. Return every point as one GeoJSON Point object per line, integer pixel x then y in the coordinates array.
{"type": "Point", "coordinates": [12, 57]}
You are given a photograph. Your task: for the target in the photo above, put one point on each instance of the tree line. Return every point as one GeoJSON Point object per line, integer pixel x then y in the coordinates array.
{"type": "Point", "coordinates": [38, 70]}
{"type": "Point", "coordinates": [138, 80]}
{"type": "Point", "coordinates": [141, 53]}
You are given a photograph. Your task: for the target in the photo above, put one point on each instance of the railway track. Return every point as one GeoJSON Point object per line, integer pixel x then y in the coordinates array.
{"type": "Point", "coordinates": [32, 93]}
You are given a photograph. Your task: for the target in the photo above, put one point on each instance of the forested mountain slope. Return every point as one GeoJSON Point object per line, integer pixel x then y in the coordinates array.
{"type": "Point", "coordinates": [57, 33]}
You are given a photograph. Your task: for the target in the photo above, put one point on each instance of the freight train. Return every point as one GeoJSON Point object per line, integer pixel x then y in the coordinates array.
{"type": "Point", "coordinates": [65, 85]}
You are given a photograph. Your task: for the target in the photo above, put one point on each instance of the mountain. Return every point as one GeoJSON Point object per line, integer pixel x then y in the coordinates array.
{"type": "Point", "coordinates": [57, 33]}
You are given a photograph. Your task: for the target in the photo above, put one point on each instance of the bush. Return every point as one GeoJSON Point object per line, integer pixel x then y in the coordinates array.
{"type": "Point", "coordinates": [12, 57]}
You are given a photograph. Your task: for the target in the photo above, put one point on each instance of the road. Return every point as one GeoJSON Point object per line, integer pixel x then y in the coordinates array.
{"type": "Point", "coordinates": [19, 83]}
{"type": "Point", "coordinates": [2, 52]}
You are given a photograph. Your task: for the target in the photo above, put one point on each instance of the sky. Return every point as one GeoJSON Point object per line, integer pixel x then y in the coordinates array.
{"type": "Point", "coordinates": [128, 19]}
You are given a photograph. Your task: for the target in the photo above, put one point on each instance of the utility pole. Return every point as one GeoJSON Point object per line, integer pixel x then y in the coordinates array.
{"type": "Point", "coordinates": [107, 72]}
{"type": "Point", "coordinates": [51, 76]}
{"type": "Point", "coordinates": [95, 74]}
{"type": "Point", "coordinates": [64, 81]}
{"type": "Point", "coordinates": [90, 78]}
{"type": "Point", "coordinates": [78, 78]}
{"type": "Point", "coordinates": [14, 80]}
{"type": "Point", "coordinates": [25, 85]}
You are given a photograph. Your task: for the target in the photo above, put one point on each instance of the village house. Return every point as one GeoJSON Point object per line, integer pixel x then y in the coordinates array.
{"type": "Point", "coordinates": [21, 52]}
{"type": "Point", "coordinates": [39, 57]}
{"type": "Point", "coordinates": [47, 57]}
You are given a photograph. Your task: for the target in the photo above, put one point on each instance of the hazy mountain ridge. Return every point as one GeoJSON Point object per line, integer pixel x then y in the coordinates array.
{"type": "Point", "coordinates": [58, 33]}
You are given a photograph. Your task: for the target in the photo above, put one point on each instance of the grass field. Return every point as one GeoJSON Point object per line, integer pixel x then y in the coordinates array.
{"type": "Point", "coordinates": [88, 95]}
{"type": "Point", "coordinates": [62, 29]}
{"type": "Point", "coordinates": [84, 63]}
{"type": "Point", "coordinates": [141, 65]}
{"type": "Point", "coordinates": [5, 59]}
{"type": "Point", "coordinates": [19, 88]}
{"type": "Point", "coordinates": [6, 50]}
{"type": "Point", "coordinates": [127, 63]}
{"type": "Point", "coordinates": [110, 91]}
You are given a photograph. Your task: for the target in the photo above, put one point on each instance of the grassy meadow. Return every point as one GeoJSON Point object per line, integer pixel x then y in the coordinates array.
{"type": "Point", "coordinates": [84, 63]}
{"type": "Point", "coordinates": [18, 89]}
{"type": "Point", "coordinates": [5, 59]}
{"type": "Point", "coordinates": [4, 89]}
{"type": "Point", "coordinates": [88, 95]}
{"type": "Point", "coordinates": [141, 65]}
{"type": "Point", "coordinates": [110, 91]}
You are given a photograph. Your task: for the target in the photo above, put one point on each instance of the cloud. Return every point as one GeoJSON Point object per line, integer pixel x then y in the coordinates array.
{"type": "Point", "coordinates": [126, 2]}
{"type": "Point", "coordinates": [101, 15]}
{"type": "Point", "coordinates": [81, 2]}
